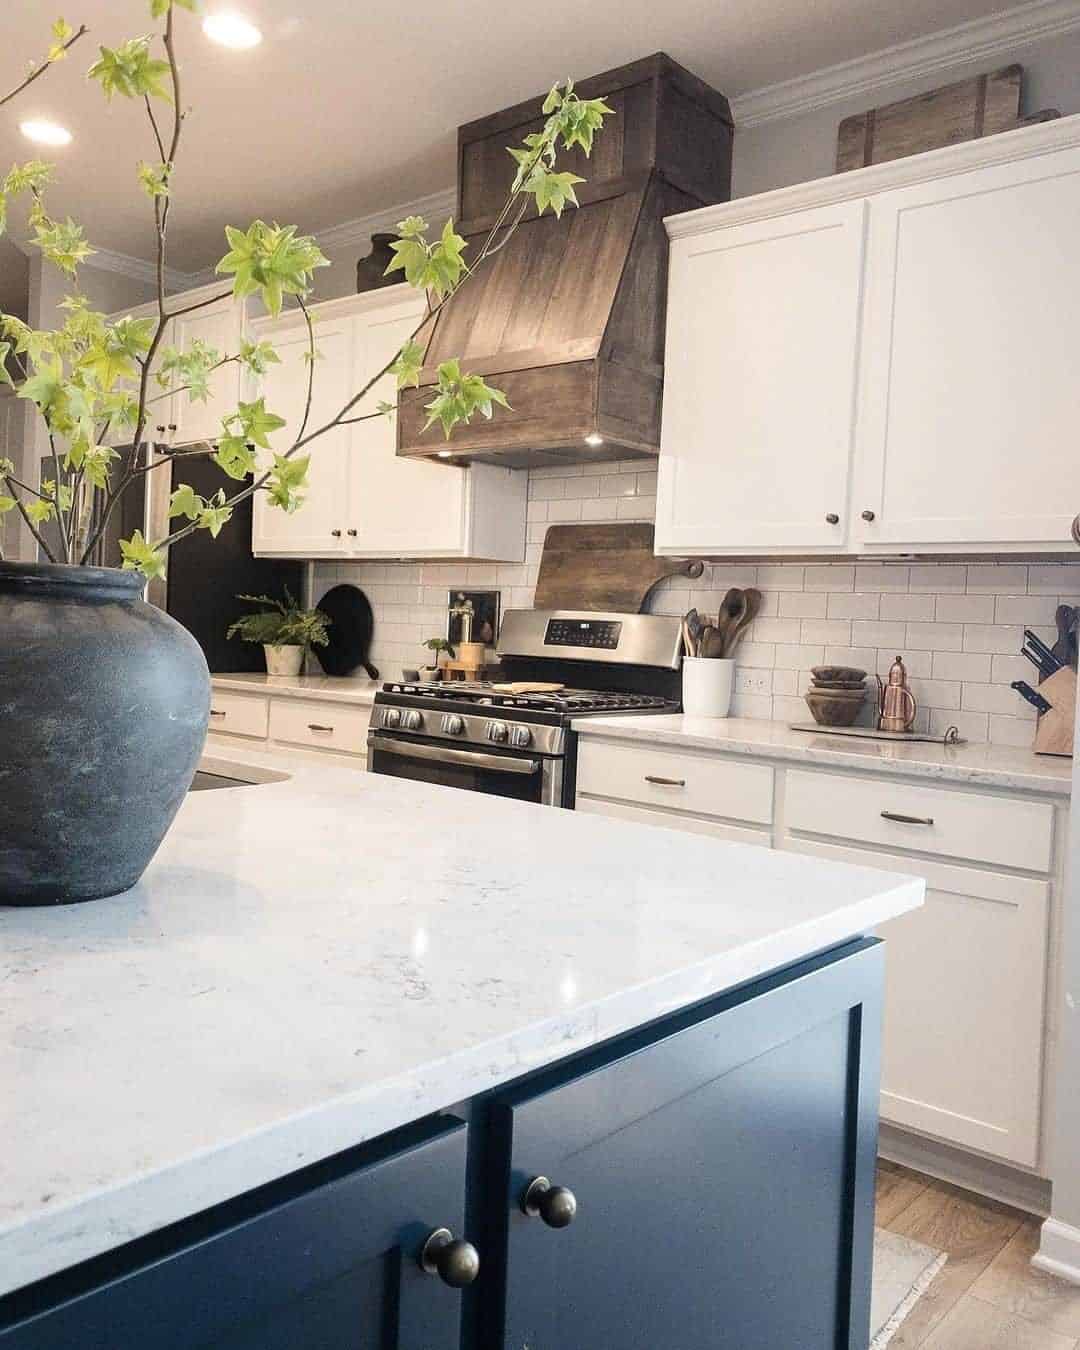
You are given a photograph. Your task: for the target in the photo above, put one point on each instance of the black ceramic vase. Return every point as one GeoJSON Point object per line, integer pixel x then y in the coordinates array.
{"type": "Point", "coordinates": [104, 704]}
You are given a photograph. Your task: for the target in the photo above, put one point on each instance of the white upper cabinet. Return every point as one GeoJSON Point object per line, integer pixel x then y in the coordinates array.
{"type": "Point", "coordinates": [364, 501]}
{"type": "Point", "coordinates": [318, 528]}
{"type": "Point", "coordinates": [221, 326]}
{"type": "Point", "coordinates": [750, 462]}
{"type": "Point", "coordinates": [968, 407]}
{"type": "Point", "coordinates": [891, 347]}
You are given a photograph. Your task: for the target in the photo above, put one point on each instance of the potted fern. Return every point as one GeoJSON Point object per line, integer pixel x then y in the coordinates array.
{"type": "Point", "coordinates": [284, 630]}
{"type": "Point", "coordinates": [92, 676]}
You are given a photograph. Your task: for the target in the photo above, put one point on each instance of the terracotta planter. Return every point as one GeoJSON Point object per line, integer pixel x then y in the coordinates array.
{"type": "Point", "coordinates": [104, 703]}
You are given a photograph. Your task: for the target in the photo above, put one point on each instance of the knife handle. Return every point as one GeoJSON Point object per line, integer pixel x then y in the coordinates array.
{"type": "Point", "coordinates": [1032, 696]}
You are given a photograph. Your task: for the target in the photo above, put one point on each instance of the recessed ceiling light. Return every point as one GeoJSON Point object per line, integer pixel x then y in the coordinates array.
{"type": "Point", "coordinates": [445, 454]}
{"type": "Point", "coordinates": [594, 438]}
{"type": "Point", "coordinates": [45, 133]}
{"type": "Point", "coordinates": [230, 30]}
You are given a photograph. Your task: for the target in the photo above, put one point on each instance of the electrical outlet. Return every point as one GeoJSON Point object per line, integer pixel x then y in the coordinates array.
{"type": "Point", "coordinates": [754, 681]}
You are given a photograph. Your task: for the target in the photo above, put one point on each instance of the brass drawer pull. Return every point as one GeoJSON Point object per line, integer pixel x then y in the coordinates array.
{"type": "Point", "coordinates": [216, 712]}
{"type": "Point", "coordinates": [665, 782]}
{"type": "Point", "coordinates": [907, 820]}
{"type": "Point", "coordinates": [315, 726]}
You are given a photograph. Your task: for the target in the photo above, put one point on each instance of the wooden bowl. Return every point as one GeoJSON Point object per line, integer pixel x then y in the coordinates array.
{"type": "Point", "coordinates": [837, 684]}
{"type": "Point", "coordinates": [831, 673]}
{"type": "Point", "coordinates": [833, 709]}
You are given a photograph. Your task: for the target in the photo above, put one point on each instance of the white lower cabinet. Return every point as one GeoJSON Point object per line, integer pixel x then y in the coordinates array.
{"type": "Point", "coordinates": [364, 501]}
{"type": "Point", "coordinates": [336, 728]}
{"type": "Point", "coordinates": [967, 975]}
{"type": "Point", "coordinates": [964, 1006]}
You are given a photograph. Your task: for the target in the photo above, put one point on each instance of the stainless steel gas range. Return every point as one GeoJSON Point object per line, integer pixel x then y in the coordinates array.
{"type": "Point", "coordinates": [509, 740]}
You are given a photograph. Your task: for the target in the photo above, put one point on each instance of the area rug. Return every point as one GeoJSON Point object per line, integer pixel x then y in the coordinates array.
{"type": "Point", "coordinates": [903, 1271]}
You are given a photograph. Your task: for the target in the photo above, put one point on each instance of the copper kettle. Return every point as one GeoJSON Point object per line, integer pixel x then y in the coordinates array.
{"type": "Point", "coordinates": [896, 702]}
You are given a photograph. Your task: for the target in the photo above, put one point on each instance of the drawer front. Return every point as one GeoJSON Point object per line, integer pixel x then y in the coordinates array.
{"type": "Point", "coordinates": [1001, 831]}
{"type": "Point", "coordinates": [707, 785]}
{"type": "Point", "coordinates": [674, 820]}
{"type": "Point", "coordinates": [239, 714]}
{"type": "Point", "coordinates": [323, 726]}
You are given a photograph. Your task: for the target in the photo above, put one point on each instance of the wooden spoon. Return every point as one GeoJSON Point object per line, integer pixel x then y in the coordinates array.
{"type": "Point", "coordinates": [752, 602]}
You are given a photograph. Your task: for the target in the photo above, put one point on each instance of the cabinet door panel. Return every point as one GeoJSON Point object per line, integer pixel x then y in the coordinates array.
{"type": "Point", "coordinates": [759, 385]}
{"type": "Point", "coordinates": [968, 397]}
{"type": "Point", "coordinates": [398, 507]}
{"type": "Point", "coordinates": [333, 1268]}
{"type": "Point", "coordinates": [723, 1177]}
{"type": "Point", "coordinates": [964, 1005]}
{"type": "Point", "coordinates": [218, 326]}
{"type": "Point", "coordinates": [310, 530]}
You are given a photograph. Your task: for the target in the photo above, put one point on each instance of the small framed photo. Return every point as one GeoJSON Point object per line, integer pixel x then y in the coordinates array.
{"type": "Point", "coordinates": [485, 612]}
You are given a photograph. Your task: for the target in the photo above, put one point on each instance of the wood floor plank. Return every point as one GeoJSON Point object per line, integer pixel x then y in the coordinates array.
{"type": "Point", "coordinates": [896, 1189]}
{"type": "Point", "coordinates": [972, 1230]}
{"type": "Point", "coordinates": [1010, 1283]}
{"type": "Point", "coordinates": [975, 1325]}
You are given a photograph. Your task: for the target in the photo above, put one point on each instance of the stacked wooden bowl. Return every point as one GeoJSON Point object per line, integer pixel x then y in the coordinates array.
{"type": "Point", "coordinates": [836, 695]}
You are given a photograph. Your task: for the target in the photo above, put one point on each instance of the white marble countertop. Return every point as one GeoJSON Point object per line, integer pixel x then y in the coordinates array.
{"type": "Point", "coordinates": [979, 765]}
{"type": "Point", "coordinates": [314, 961]}
{"type": "Point", "coordinates": [331, 688]}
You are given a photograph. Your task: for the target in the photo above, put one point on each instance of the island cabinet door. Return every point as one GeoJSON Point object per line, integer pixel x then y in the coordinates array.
{"type": "Point", "coordinates": [723, 1178]}
{"type": "Point", "coordinates": [332, 1267]}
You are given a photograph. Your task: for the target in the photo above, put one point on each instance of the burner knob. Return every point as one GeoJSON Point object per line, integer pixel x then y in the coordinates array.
{"type": "Point", "coordinates": [520, 737]}
{"type": "Point", "coordinates": [498, 732]}
{"type": "Point", "coordinates": [453, 725]}
{"type": "Point", "coordinates": [391, 717]}
{"type": "Point", "coordinates": [412, 720]}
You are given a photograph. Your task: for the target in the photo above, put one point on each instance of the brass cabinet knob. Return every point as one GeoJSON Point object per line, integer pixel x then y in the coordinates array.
{"type": "Point", "coordinates": [555, 1205]}
{"type": "Point", "coordinates": [455, 1261]}
{"type": "Point", "coordinates": [868, 515]}
{"type": "Point", "coordinates": [832, 518]}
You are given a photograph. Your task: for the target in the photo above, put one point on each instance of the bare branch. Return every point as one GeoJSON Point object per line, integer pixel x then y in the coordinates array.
{"type": "Point", "coordinates": [44, 66]}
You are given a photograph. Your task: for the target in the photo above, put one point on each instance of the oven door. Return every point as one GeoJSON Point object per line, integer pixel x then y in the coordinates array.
{"type": "Point", "coordinates": [528, 778]}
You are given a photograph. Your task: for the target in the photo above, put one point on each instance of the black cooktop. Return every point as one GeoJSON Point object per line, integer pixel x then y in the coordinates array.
{"type": "Point", "coordinates": [565, 701]}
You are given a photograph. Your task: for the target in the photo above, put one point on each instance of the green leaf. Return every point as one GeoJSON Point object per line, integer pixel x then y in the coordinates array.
{"type": "Point", "coordinates": [154, 178]}
{"type": "Point", "coordinates": [45, 387]}
{"type": "Point", "coordinates": [408, 363]}
{"type": "Point", "coordinates": [215, 514]}
{"type": "Point", "coordinates": [159, 8]}
{"type": "Point", "coordinates": [5, 373]}
{"type": "Point", "coordinates": [436, 267]}
{"type": "Point", "coordinates": [235, 457]}
{"type": "Point", "coordinates": [139, 556]}
{"type": "Point", "coordinates": [130, 70]}
{"type": "Point", "coordinates": [7, 504]}
{"type": "Point", "coordinates": [96, 462]}
{"type": "Point", "coordinates": [255, 423]}
{"type": "Point", "coordinates": [271, 260]}
{"type": "Point", "coordinates": [33, 176]}
{"type": "Point", "coordinates": [61, 242]}
{"type": "Point", "coordinates": [288, 479]}
{"type": "Point", "coordinates": [39, 510]}
{"type": "Point", "coordinates": [61, 31]}
{"type": "Point", "coordinates": [185, 501]}
{"type": "Point", "coordinates": [412, 227]}
{"type": "Point", "coordinates": [552, 101]}
{"type": "Point", "coordinates": [553, 189]}
{"type": "Point", "coordinates": [460, 397]}
{"type": "Point", "coordinates": [257, 356]}
{"type": "Point", "coordinates": [189, 370]}
{"type": "Point", "coordinates": [386, 409]}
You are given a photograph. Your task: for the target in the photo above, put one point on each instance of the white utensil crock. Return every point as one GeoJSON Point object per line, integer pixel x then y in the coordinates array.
{"type": "Point", "coordinates": [706, 686]}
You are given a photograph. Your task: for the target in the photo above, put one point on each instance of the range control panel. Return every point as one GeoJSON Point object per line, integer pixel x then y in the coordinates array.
{"type": "Point", "coordinates": [597, 633]}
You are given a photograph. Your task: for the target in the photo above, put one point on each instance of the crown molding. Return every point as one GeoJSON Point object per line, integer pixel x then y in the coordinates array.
{"type": "Point", "coordinates": [1007, 147]}
{"type": "Point", "coordinates": [951, 49]}
{"type": "Point", "coordinates": [358, 232]}
{"type": "Point", "coordinates": [138, 269]}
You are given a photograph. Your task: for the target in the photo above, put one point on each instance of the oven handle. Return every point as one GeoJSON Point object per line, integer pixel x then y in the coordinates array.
{"type": "Point", "coordinates": [450, 754]}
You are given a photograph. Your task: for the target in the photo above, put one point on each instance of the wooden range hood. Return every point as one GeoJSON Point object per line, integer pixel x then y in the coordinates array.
{"type": "Point", "coordinates": [568, 318]}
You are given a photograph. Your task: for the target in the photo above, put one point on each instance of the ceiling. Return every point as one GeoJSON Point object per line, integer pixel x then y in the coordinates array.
{"type": "Point", "coordinates": [349, 108]}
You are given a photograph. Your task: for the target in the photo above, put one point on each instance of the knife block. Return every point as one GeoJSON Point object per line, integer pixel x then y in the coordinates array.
{"type": "Point", "coordinates": [1054, 730]}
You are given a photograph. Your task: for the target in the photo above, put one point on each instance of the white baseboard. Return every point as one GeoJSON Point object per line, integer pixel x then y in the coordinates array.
{"type": "Point", "coordinates": [996, 1180]}
{"type": "Point", "coordinates": [1059, 1251]}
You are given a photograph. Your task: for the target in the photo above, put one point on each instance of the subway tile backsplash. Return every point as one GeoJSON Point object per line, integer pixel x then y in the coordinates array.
{"type": "Point", "coordinates": [959, 626]}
